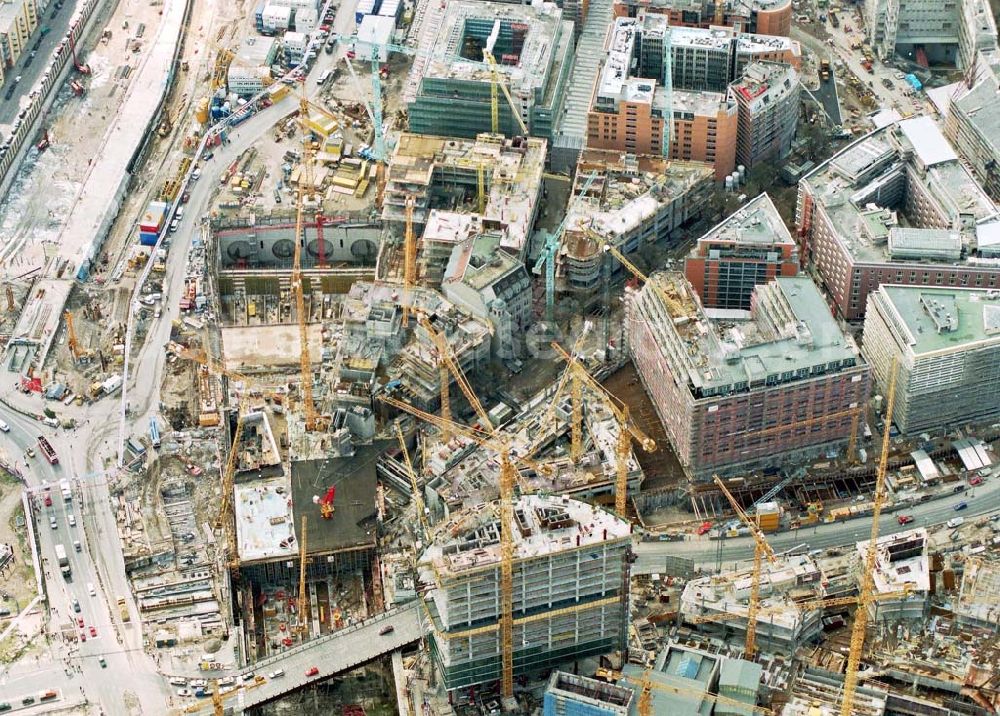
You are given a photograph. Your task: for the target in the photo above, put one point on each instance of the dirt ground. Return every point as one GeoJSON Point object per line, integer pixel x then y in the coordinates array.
{"type": "Point", "coordinates": [661, 467]}
{"type": "Point", "coordinates": [17, 585]}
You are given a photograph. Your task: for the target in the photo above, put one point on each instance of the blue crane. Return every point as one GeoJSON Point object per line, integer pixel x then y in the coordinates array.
{"type": "Point", "coordinates": [547, 257]}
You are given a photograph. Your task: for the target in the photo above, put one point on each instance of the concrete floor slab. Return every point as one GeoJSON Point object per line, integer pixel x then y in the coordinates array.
{"type": "Point", "coordinates": [267, 346]}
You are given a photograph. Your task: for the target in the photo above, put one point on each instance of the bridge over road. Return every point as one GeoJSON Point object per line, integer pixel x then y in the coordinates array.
{"type": "Point", "coordinates": [332, 654]}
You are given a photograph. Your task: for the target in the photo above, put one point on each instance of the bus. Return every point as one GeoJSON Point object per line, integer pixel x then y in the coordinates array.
{"type": "Point", "coordinates": [321, 80]}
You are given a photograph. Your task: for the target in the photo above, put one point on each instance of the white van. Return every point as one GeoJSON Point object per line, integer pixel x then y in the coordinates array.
{"type": "Point", "coordinates": [277, 673]}
{"type": "Point", "coordinates": [955, 522]}
{"type": "Point", "coordinates": [90, 589]}
{"type": "Point", "coordinates": [4, 426]}
{"type": "Point", "coordinates": [324, 77]}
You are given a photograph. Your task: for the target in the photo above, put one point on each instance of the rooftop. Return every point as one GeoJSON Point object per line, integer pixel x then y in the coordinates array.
{"type": "Point", "coordinates": [901, 561]}
{"type": "Point", "coordinates": [896, 161]}
{"type": "Point", "coordinates": [690, 670]}
{"type": "Point", "coordinates": [353, 521]}
{"type": "Point", "coordinates": [978, 597]}
{"type": "Point", "coordinates": [729, 592]}
{"type": "Point", "coordinates": [257, 50]}
{"type": "Point", "coordinates": [490, 22]}
{"type": "Point", "coordinates": [791, 336]}
{"type": "Point", "coordinates": [756, 223]}
{"type": "Point", "coordinates": [943, 319]}
{"type": "Point", "coordinates": [544, 524]}
{"type": "Point", "coordinates": [420, 164]}
{"type": "Point", "coordinates": [480, 263]}
{"type": "Point", "coordinates": [767, 80]}
{"type": "Point", "coordinates": [592, 692]}
{"type": "Point", "coordinates": [627, 191]}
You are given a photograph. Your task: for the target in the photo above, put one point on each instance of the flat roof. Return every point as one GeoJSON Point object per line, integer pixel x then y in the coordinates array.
{"type": "Point", "coordinates": [545, 524]}
{"type": "Point", "coordinates": [941, 319]}
{"type": "Point", "coordinates": [927, 141]}
{"type": "Point", "coordinates": [353, 521]}
{"type": "Point", "coordinates": [792, 330]}
{"type": "Point", "coordinates": [756, 223]}
{"type": "Point", "coordinates": [848, 186]}
{"type": "Point", "coordinates": [513, 168]}
{"type": "Point", "coordinates": [543, 24]}
{"type": "Point", "coordinates": [901, 560]}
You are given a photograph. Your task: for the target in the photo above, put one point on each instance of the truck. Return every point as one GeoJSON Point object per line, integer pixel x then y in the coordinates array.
{"type": "Point", "coordinates": [154, 432]}
{"type": "Point", "coordinates": [123, 609]}
{"type": "Point", "coordinates": [64, 567]}
{"type": "Point", "coordinates": [67, 491]}
{"type": "Point", "coordinates": [824, 70]}
{"type": "Point", "coordinates": [47, 450]}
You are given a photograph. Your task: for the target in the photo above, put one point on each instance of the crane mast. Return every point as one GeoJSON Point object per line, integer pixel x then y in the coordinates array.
{"type": "Point", "coordinates": [761, 550]}
{"type": "Point", "coordinates": [866, 595]}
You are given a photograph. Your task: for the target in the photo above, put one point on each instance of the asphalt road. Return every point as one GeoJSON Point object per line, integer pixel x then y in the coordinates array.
{"type": "Point", "coordinates": [95, 538]}
{"type": "Point", "coordinates": [826, 95]}
{"type": "Point", "coordinates": [31, 72]}
{"type": "Point", "coordinates": [982, 500]}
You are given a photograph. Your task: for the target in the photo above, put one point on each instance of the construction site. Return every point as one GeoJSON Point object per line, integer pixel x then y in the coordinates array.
{"type": "Point", "coordinates": [459, 348]}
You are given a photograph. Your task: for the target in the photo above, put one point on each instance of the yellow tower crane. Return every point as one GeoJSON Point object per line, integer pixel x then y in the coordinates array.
{"type": "Point", "coordinates": [447, 367]}
{"type": "Point", "coordinates": [761, 549]}
{"type": "Point", "coordinates": [497, 83]}
{"type": "Point", "coordinates": [866, 595]}
{"type": "Point", "coordinates": [313, 420]}
{"type": "Point", "coordinates": [418, 500]}
{"type": "Point", "coordinates": [508, 476]}
{"type": "Point", "coordinates": [807, 605]}
{"type": "Point", "coordinates": [409, 261]}
{"type": "Point", "coordinates": [677, 306]}
{"type": "Point", "coordinates": [222, 520]}
{"type": "Point", "coordinates": [74, 346]}
{"type": "Point", "coordinates": [627, 429]}
{"type": "Point", "coordinates": [303, 603]}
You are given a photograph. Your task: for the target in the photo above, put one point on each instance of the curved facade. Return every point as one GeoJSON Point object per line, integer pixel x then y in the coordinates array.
{"type": "Point", "coordinates": [771, 17]}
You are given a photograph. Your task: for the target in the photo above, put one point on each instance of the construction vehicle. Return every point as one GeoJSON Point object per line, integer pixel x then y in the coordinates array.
{"type": "Point", "coordinates": [123, 610]}
{"type": "Point", "coordinates": [326, 508]}
{"type": "Point", "coordinates": [824, 70]}
{"type": "Point", "coordinates": [627, 430]}
{"type": "Point", "coordinates": [866, 596]}
{"type": "Point", "coordinates": [761, 549]}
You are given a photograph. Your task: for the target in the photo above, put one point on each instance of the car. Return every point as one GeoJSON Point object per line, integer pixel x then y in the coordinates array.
{"type": "Point", "coordinates": [904, 519]}
{"type": "Point", "coordinates": [4, 426]}
{"type": "Point", "coordinates": [185, 692]}
{"type": "Point", "coordinates": [198, 683]}
{"type": "Point", "coordinates": [71, 518]}
{"type": "Point", "coordinates": [48, 500]}
{"type": "Point", "coordinates": [247, 677]}
{"type": "Point", "coordinates": [227, 681]}
{"type": "Point", "coordinates": [312, 671]}
{"type": "Point", "coordinates": [704, 527]}
{"type": "Point", "coordinates": [91, 590]}
{"type": "Point", "coordinates": [207, 155]}
{"type": "Point", "coordinates": [961, 506]}
{"type": "Point", "coordinates": [387, 629]}
{"type": "Point", "coordinates": [103, 663]}
{"type": "Point", "coordinates": [83, 636]}
{"type": "Point", "coordinates": [27, 700]}
{"type": "Point", "coordinates": [53, 524]}
{"type": "Point", "coordinates": [276, 674]}
{"type": "Point", "coordinates": [76, 605]}
{"type": "Point", "coordinates": [351, 54]}
{"type": "Point", "coordinates": [77, 546]}
{"type": "Point", "coordinates": [79, 622]}
{"type": "Point", "coordinates": [93, 631]}
{"type": "Point", "coordinates": [177, 681]}
{"type": "Point", "coordinates": [29, 452]}
{"type": "Point", "coordinates": [976, 481]}
{"type": "Point", "coordinates": [324, 28]}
